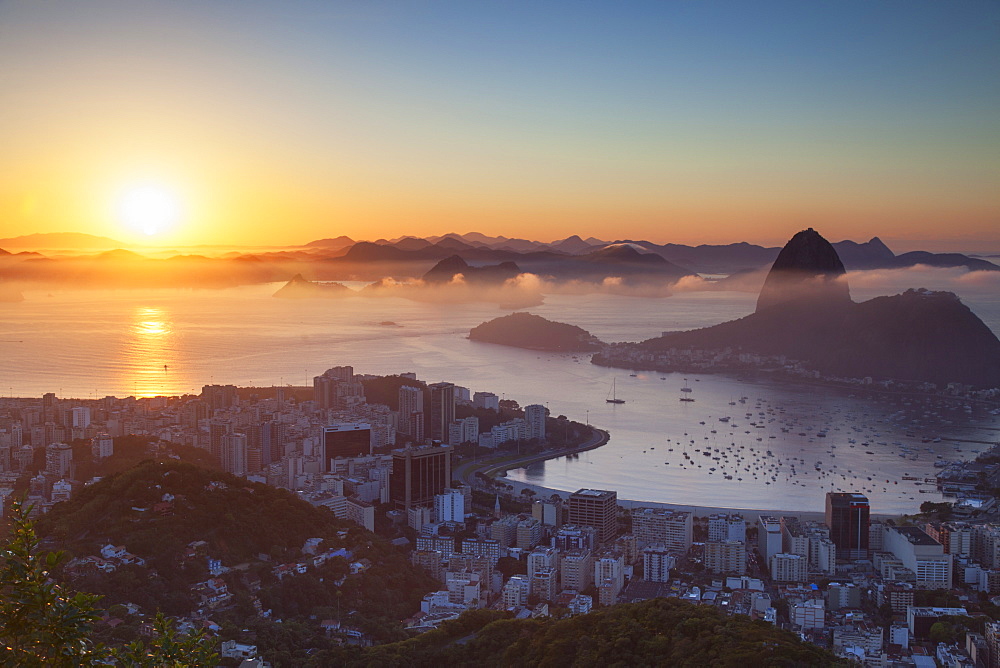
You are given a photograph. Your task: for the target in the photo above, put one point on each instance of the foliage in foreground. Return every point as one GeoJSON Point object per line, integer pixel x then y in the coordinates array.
{"type": "Point", "coordinates": [42, 624]}
{"type": "Point", "coordinates": [656, 632]}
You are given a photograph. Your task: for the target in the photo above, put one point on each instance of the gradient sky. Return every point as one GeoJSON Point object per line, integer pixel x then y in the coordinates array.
{"type": "Point", "coordinates": [705, 122]}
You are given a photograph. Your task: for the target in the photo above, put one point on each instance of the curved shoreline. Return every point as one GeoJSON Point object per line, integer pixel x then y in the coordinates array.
{"type": "Point", "coordinates": [492, 466]}
{"type": "Point", "coordinates": [497, 467]}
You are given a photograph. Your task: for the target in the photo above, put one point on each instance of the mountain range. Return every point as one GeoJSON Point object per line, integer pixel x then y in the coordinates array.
{"type": "Point", "coordinates": [341, 258]}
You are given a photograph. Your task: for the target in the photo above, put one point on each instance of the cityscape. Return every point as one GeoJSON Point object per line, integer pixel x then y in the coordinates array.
{"type": "Point", "coordinates": [505, 335]}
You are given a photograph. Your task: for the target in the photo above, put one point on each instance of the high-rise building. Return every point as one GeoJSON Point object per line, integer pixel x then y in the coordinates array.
{"type": "Point", "coordinates": [656, 563]}
{"type": "Point", "coordinates": [345, 440]}
{"type": "Point", "coordinates": [81, 417]}
{"type": "Point", "coordinates": [609, 576]}
{"type": "Point", "coordinates": [728, 556]}
{"type": "Point", "coordinates": [577, 569]}
{"type": "Point", "coordinates": [595, 508]}
{"type": "Point", "coordinates": [418, 474]}
{"type": "Point", "coordinates": [723, 526]}
{"type": "Point", "coordinates": [449, 506]}
{"type": "Point", "coordinates": [847, 515]}
{"type": "Point", "coordinates": [486, 400]}
{"type": "Point", "coordinates": [220, 396]}
{"type": "Point", "coordinates": [768, 537]}
{"type": "Point", "coordinates": [234, 453]}
{"type": "Point", "coordinates": [534, 415]}
{"type": "Point", "coordinates": [102, 446]}
{"type": "Point", "coordinates": [59, 460]}
{"type": "Point", "coordinates": [411, 412]}
{"type": "Point", "coordinates": [442, 412]}
{"type": "Point", "coordinates": [673, 529]}
{"type": "Point", "coordinates": [272, 440]}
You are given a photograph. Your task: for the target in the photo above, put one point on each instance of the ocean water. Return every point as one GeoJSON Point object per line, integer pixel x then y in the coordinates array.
{"type": "Point", "coordinates": [92, 344]}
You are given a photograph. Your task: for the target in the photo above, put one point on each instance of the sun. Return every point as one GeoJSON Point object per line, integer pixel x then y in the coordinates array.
{"type": "Point", "coordinates": [148, 208]}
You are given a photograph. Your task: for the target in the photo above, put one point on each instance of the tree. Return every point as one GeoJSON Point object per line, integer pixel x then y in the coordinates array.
{"type": "Point", "coordinates": [167, 648]}
{"type": "Point", "coordinates": [44, 624]}
{"type": "Point", "coordinates": [40, 623]}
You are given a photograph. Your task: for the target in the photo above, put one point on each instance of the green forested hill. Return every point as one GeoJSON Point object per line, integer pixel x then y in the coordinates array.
{"type": "Point", "coordinates": [251, 528]}
{"type": "Point", "coordinates": [660, 632]}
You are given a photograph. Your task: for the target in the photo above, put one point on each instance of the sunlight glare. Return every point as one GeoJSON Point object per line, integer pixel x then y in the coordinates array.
{"type": "Point", "coordinates": [149, 209]}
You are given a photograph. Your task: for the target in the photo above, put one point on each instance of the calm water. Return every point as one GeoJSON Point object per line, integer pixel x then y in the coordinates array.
{"type": "Point", "coordinates": [91, 344]}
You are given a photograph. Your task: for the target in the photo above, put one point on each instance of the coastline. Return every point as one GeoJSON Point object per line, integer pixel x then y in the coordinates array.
{"type": "Point", "coordinates": [497, 467]}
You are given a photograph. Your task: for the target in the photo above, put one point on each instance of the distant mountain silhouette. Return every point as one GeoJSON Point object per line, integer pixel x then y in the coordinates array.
{"type": "Point", "coordinates": [915, 336]}
{"type": "Point", "coordinates": [446, 270]}
{"type": "Point", "coordinates": [60, 241]}
{"type": "Point", "coordinates": [914, 258]}
{"type": "Point", "coordinates": [332, 244]}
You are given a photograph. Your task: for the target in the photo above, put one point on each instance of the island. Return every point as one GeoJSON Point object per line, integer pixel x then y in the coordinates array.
{"type": "Point", "coordinates": [300, 287]}
{"type": "Point", "coordinates": [525, 330]}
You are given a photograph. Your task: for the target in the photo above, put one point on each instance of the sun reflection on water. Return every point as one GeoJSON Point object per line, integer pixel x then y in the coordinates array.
{"type": "Point", "coordinates": [149, 351]}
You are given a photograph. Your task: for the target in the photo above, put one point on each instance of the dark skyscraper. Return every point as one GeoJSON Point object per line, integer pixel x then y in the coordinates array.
{"type": "Point", "coordinates": [418, 474]}
{"type": "Point", "coordinates": [345, 440]}
{"type": "Point", "coordinates": [847, 517]}
{"type": "Point", "coordinates": [595, 508]}
{"type": "Point", "coordinates": [442, 410]}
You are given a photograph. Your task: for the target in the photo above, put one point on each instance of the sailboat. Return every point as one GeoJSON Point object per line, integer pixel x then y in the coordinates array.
{"type": "Point", "coordinates": [686, 388]}
{"type": "Point", "coordinates": [613, 398]}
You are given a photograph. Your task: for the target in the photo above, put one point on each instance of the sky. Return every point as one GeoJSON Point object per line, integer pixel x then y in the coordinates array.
{"type": "Point", "coordinates": [252, 122]}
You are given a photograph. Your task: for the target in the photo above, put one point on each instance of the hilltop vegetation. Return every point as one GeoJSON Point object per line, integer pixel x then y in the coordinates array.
{"type": "Point", "coordinates": [661, 631]}
{"type": "Point", "coordinates": [158, 509]}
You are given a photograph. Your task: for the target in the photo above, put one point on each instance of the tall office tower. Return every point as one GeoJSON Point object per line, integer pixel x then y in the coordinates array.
{"type": "Point", "coordinates": [847, 515]}
{"type": "Point", "coordinates": [418, 474]}
{"type": "Point", "coordinates": [272, 440]}
{"type": "Point", "coordinates": [255, 448]}
{"type": "Point", "coordinates": [59, 460]}
{"type": "Point", "coordinates": [216, 430]}
{"type": "Point", "coordinates": [595, 508]}
{"type": "Point", "coordinates": [411, 412]}
{"type": "Point", "coordinates": [345, 440]}
{"type": "Point", "coordinates": [768, 537]}
{"type": "Point", "coordinates": [534, 415]}
{"type": "Point", "coordinates": [102, 446]}
{"type": "Point", "coordinates": [442, 410]}
{"type": "Point", "coordinates": [234, 453]}
{"type": "Point", "coordinates": [50, 406]}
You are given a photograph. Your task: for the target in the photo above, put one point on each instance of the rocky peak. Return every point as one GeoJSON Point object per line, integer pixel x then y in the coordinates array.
{"type": "Point", "coordinates": [807, 269]}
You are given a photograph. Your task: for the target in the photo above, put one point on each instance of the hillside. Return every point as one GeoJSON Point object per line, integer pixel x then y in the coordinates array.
{"type": "Point", "coordinates": [524, 330]}
{"type": "Point", "coordinates": [160, 512]}
{"type": "Point", "coordinates": [665, 632]}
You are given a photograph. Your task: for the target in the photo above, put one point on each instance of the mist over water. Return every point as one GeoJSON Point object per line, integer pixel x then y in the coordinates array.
{"type": "Point", "coordinates": [92, 344]}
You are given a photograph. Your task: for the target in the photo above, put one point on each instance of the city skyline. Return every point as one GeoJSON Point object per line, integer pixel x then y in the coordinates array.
{"type": "Point", "coordinates": [195, 123]}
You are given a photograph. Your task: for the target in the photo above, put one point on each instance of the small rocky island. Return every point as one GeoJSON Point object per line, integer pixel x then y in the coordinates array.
{"type": "Point", "coordinates": [302, 288]}
{"type": "Point", "coordinates": [525, 330]}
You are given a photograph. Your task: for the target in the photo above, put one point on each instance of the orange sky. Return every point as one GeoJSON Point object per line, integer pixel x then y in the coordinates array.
{"type": "Point", "coordinates": [279, 126]}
